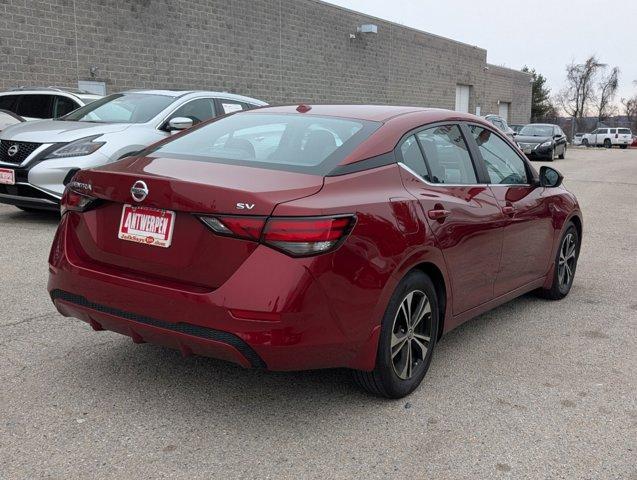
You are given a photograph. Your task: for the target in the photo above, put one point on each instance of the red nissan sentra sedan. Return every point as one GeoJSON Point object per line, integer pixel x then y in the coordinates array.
{"type": "Point", "coordinates": [308, 237]}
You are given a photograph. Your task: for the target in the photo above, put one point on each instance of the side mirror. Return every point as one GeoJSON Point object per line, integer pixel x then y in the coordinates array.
{"type": "Point", "coordinates": [550, 178]}
{"type": "Point", "coordinates": [179, 123]}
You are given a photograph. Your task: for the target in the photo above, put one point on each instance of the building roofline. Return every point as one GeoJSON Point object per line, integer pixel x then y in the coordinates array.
{"type": "Point", "coordinates": [500, 67]}
{"type": "Point", "coordinates": [395, 24]}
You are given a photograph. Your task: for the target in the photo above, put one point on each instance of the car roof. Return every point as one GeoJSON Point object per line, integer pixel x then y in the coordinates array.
{"type": "Point", "coordinates": [182, 93]}
{"type": "Point", "coordinates": [49, 90]}
{"type": "Point", "coordinates": [374, 113]}
{"type": "Point", "coordinates": [542, 124]}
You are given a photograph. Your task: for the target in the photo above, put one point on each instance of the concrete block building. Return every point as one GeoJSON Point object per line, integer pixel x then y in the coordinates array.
{"type": "Point", "coordinates": [282, 51]}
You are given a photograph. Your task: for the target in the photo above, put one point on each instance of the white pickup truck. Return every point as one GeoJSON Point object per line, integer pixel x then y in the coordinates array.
{"type": "Point", "coordinates": [608, 137]}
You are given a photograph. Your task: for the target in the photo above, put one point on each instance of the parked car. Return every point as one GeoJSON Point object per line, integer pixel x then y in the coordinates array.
{"type": "Point", "coordinates": [44, 103]}
{"type": "Point", "coordinates": [500, 123]}
{"type": "Point", "coordinates": [9, 118]}
{"type": "Point", "coordinates": [542, 141]}
{"type": "Point", "coordinates": [386, 227]}
{"type": "Point", "coordinates": [43, 156]}
{"type": "Point", "coordinates": [577, 138]}
{"type": "Point", "coordinates": [516, 128]}
{"type": "Point", "coordinates": [608, 137]}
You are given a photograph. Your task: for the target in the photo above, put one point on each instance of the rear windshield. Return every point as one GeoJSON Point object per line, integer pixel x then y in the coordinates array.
{"type": "Point", "coordinates": [302, 143]}
{"type": "Point", "coordinates": [121, 108]}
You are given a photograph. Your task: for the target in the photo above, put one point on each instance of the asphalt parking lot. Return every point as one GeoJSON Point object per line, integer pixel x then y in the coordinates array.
{"type": "Point", "coordinates": [533, 389]}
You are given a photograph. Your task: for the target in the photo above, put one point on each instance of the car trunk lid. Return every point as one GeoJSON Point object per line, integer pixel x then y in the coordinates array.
{"type": "Point", "coordinates": [196, 258]}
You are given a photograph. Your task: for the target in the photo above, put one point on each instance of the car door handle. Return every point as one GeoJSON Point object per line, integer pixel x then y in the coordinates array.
{"type": "Point", "coordinates": [438, 214]}
{"type": "Point", "coordinates": [508, 209]}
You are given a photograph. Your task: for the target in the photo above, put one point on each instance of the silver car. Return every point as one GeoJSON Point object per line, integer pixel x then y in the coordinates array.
{"type": "Point", "coordinates": [37, 159]}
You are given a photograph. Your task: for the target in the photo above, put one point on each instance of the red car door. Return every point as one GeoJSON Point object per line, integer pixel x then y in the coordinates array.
{"type": "Point", "coordinates": [464, 216]}
{"type": "Point", "coordinates": [528, 232]}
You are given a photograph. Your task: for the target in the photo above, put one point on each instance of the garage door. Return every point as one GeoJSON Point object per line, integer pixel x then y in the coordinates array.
{"type": "Point", "coordinates": [462, 98]}
{"type": "Point", "coordinates": [504, 110]}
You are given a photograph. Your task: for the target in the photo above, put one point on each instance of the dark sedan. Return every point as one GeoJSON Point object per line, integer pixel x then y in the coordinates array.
{"type": "Point", "coordinates": [542, 141]}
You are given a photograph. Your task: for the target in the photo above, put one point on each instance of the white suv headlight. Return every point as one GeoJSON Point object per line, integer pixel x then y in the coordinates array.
{"type": "Point", "coordinates": [78, 148]}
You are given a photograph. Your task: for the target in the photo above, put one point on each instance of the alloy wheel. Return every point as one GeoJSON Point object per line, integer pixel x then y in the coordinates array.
{"type": "Point", "coordinates": [567, 260]}
{"type": "Point", "coordinates": [411, 334]}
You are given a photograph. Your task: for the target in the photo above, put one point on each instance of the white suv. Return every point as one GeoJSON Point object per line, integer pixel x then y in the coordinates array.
{"type": "Point", "coordinates": [44, 103]}
{"type": "Point", "coordinates": [608, 137]}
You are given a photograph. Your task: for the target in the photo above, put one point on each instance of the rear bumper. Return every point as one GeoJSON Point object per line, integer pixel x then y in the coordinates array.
{"type": "Point", "coordinates": [189, 339]}
{"type": "Point", "coordinates": [257, 318]}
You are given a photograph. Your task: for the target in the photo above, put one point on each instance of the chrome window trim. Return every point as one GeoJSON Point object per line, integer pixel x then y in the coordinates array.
{"type": "Point", "coordinates": [462, 184]}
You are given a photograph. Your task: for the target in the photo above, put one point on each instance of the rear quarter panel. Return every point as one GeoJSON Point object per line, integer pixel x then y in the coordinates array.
{"type": "Point", "coordinates": [390, 237]}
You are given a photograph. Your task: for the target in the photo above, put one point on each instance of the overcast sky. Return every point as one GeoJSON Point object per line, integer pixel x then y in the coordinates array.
{"type": "Point", "coordinates": [544, 34]}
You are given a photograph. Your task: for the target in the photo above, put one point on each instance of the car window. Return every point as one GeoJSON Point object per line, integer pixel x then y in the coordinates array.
{"type": "Point", "coordinates": [309, 144]}
{"type": "Point", "coordinates": [613, 130]}
{"type": "Point", "coordinates": [602, 131]}
{"type": "Point", "coordinates": [623, 131]}
{"type": "Point", "coordinates": [230, 106]}
{"type": "Point", "coordinates": [7, 102]}
{"type": "Point", "coordinates": [447, 155]}
{"type": "Point", "coordinates": [412, 157]}
{"type": "Point", "coordinates": [35, 106]}
{"type": "Point", "coordinates": [503, 164]}
{"type": "Point", "coordinates": [63, 105]}
{"type": "Point", "coordinates": [122, 108]}
{"type": "Point", "coordinates": [198, 110]}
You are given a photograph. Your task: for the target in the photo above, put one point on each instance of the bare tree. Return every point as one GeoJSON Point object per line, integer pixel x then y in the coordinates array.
{"type": "Point", "coordinates": [630, 110]}
{"type": "Point", "coordinates": [579, 91]}
{"type": "Point", "coordinates": [607, 90]}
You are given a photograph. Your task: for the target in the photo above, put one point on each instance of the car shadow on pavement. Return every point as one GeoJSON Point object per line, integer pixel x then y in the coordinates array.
{"type": "Point", "coordinates": [161, 379]}
{"type": "Point", "coordinates": [36, 217]}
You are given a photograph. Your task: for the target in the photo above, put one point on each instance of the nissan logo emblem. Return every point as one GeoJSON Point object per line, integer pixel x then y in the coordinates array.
{"type": "Point", "coordinates": [139, 191]}
{"type": "Point", "coordinates": [13, 149]}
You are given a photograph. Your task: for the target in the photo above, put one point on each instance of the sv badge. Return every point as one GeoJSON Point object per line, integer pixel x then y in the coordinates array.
{"type": "Point", "coordinates": [245, 206]}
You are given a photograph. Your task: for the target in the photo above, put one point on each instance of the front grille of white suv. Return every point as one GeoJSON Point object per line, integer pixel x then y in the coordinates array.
{"type": "Point", "coordinates": [16, 152]}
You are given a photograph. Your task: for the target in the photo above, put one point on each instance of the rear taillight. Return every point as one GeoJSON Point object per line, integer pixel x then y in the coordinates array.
{"type": "Point", "coordinates": [295, 236]}
{"type": "Point", "coordinates": [74, 201]}
{"type": "Point", "coordinates": [241, 227]}
{"type": "Point", "coordinates": [306, 236]}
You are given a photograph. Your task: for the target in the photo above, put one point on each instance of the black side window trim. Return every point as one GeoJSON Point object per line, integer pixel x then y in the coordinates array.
{"type": "Point", "coordinates": [530, 177]}
{"type": "Point", "coordinates": [482, 176]}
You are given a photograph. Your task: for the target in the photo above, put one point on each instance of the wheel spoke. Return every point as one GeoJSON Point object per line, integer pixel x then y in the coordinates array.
{"type": "Point", "coordinates": [569, 274]}
{"type": "Point", "coordinates": [398, 346]}
{"type": "Point", "coordinates": [404, 370]}
{"type": "Point", "coordinates": [409, 359]}
{"type": "Point", "coordinates": [560, 273]}
{"type": "Point", "coordinates": [423, 309]}
{"type": "Point", "coordinates": [407, 303]}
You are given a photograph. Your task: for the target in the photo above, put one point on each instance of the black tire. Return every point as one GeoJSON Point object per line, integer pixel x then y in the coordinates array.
{"type": "Point", "coordinates": [385, 380]}
{"type": "Point", "coordinates": [623, 147]}
{"type": "Point", "coordinates": [585, 142]}
{"type": "Point", "coordinates": [559, 287]}
{"type": "Point", "coordinates": [552, 157]}
{"type": "Point", "coordinates": [607, 143]}
{"type": "Point", "coordinates": [563, 154]}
